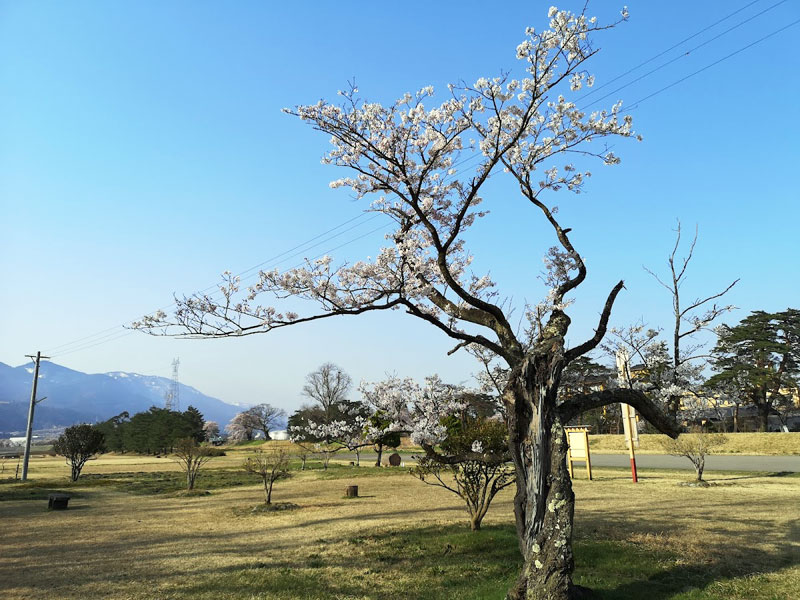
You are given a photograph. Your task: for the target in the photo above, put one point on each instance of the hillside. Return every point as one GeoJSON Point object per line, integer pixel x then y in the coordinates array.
{"type": "Point", "coordinates": [73, 397]}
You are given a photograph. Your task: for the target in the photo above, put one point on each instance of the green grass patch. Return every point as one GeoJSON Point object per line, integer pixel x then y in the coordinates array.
{"type": "Point", "coordinates": [171, 482]}
{"type": "Point", "coordinates": [338, 471]}
{"type": "Point", "coordinates": [446, 562]}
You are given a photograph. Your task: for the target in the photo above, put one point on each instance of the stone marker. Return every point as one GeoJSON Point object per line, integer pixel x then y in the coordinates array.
{"type": "Point", "coordinates": [57, 501]}
{"type": "Point", "coordinates": [395, 459]}
{"type": "Point", "coordinates": [352, 491]}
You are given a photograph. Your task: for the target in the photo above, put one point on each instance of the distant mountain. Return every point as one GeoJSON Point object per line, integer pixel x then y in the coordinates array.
{"type": "Point", "coordinates": [75, 397]}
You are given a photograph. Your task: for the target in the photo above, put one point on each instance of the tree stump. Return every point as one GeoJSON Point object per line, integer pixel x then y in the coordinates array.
{"type": "Point", "coordinates": [57, 501]}
{"type": "Point", "coordinates": [352, 491]}
{"type": "Point", "coordinates": [395, 460]}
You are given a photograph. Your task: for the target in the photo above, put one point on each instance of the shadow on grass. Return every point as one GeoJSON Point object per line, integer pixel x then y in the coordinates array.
{"type": "Point", "coordinates": [759, 475]}
{"type": "Point", "coordinates": [445, 562]}
{"type": "Point", "coordinates": [431, 563]}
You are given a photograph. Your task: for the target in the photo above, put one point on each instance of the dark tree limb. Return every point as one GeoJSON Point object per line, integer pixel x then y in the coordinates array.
{"type": "Point", "coordinates": [600, 332]}
{"type": "Point", "coordinates": [659, 419]}
{"type": "Point", "coordinates": [487, 458]}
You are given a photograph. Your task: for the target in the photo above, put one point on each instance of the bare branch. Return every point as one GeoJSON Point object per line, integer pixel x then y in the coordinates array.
{"type": "Point", "coordinates": [698, 303]}
{"type": "Point", "coordinates": [600, 332]}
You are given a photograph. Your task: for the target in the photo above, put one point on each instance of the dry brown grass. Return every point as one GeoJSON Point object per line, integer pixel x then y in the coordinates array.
{"type": "Point", "coordinates": [763, 444]}
{"type": "Point", "coordinates": [114, 545]}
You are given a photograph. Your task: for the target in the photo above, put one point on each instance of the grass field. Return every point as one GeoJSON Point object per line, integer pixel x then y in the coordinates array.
{"type": "Point", "coordinates": [130, 535]}
{"type": "Point", "coordinates": [764, 444]}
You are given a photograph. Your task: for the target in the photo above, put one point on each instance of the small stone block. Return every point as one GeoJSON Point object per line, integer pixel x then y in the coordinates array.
{"type": "Point", "coordinates": [352, 491]}
{"type": "Point", "coordinates": [57, 501]}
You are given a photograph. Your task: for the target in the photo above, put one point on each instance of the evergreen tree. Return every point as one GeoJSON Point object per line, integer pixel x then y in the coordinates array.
{"type": "Point", "coordinates": [761, 356]}
{"type": "Point", "coordinates": [112, 430]}
{"type": "Point", "coordinates": [196, 423]}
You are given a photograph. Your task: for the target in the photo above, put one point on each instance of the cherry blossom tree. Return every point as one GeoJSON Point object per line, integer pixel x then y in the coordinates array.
{"type": "Point", "coordinates": [334, 422]}
{"type": "Point", "coordinates": [339, 434]}
{"type": "Point", "coordinates": [243, 426]}
{"type": "Point", "coordinates": [378, 433]}
{"type": "Point", "coordinates": [476, 482]}
{"type": "Point", "coordinates": [211, 430]}
{"type": "Point", "coordinates": [409, 156]}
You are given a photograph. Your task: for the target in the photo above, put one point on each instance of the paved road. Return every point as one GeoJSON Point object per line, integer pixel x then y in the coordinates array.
{"type": "Point", "coordinates": [713, 463]}
{"type": "Point", "coordinates": [658, 461]}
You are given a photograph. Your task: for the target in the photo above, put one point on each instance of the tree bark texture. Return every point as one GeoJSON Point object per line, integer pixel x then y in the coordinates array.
{"type": "Point", "coordinates": [544, 503]}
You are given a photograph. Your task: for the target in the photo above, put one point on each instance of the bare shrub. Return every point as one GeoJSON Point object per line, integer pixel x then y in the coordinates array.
{"type": "Point", "coordinates": [191, 456]}
{"type": "Point", "coordinates": [694, 446]}
{"type": "Point", "coordinates": [270, 465]}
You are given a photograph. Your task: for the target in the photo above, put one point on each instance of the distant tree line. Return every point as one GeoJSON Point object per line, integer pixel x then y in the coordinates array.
{"type": "Point", "coordinates": [155, 431]}
{"type": "Point", "coordinates": [755, 363]}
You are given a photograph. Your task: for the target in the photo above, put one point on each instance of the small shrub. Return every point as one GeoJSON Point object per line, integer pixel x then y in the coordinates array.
{"type": "Point", "coordinates": [694, 446]}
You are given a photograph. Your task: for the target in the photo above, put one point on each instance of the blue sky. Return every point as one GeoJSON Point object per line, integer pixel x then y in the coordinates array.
{"type": "Point", "coordinates": [143, 152]}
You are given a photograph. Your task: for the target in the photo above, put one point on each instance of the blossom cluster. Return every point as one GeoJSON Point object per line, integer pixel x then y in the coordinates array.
{"type": "Point", "coordinates": [409, 156]}
{"type": "Point", "coordinates": [417, 409]}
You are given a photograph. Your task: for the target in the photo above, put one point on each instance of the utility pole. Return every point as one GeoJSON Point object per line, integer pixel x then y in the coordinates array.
{"type": "Point", "coordinates": [34, 402]}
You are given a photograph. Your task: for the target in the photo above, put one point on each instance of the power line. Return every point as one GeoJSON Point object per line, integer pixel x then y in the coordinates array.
{"type": "Point", "coordinates": [115, 329]}
{"type": "Point", "coordinates": [112, 333]}
{"type": "Point", "coordinates": [716, 62]}
{"type": "Point", "coordinates": [681, 56]}
{"type": "Point", "coordinates": [662, 53]}
{"type": "Point", "coordinates": [116, 335]}
{"type": "Point", "coordinates": [654, 57]}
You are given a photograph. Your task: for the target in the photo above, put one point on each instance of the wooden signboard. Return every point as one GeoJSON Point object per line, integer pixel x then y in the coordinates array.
{"type": "Point", "coordinates": [578, 440]}
{"type": "Point", "coordinates": [630, 425]}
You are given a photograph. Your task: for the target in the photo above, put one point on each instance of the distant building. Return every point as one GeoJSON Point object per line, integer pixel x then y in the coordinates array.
{"type": "Point", "coordinates": [279, 435]}
{"type": "Point", "coordinates": [20, 441]}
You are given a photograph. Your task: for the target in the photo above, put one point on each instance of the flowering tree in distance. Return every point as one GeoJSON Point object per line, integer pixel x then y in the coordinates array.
{"type": "Point", "coordinates": [211, 429]}
{"type": "Point", "coordinates": [242, 427]}
{"type": "Point", "coordinates": [408, 155]}
{"type": "Point", "coordinates": [333, 422]}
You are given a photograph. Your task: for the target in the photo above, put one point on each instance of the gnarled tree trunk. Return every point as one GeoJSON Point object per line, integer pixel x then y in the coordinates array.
{"type": "Point", "coordinates": [544, 503]}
